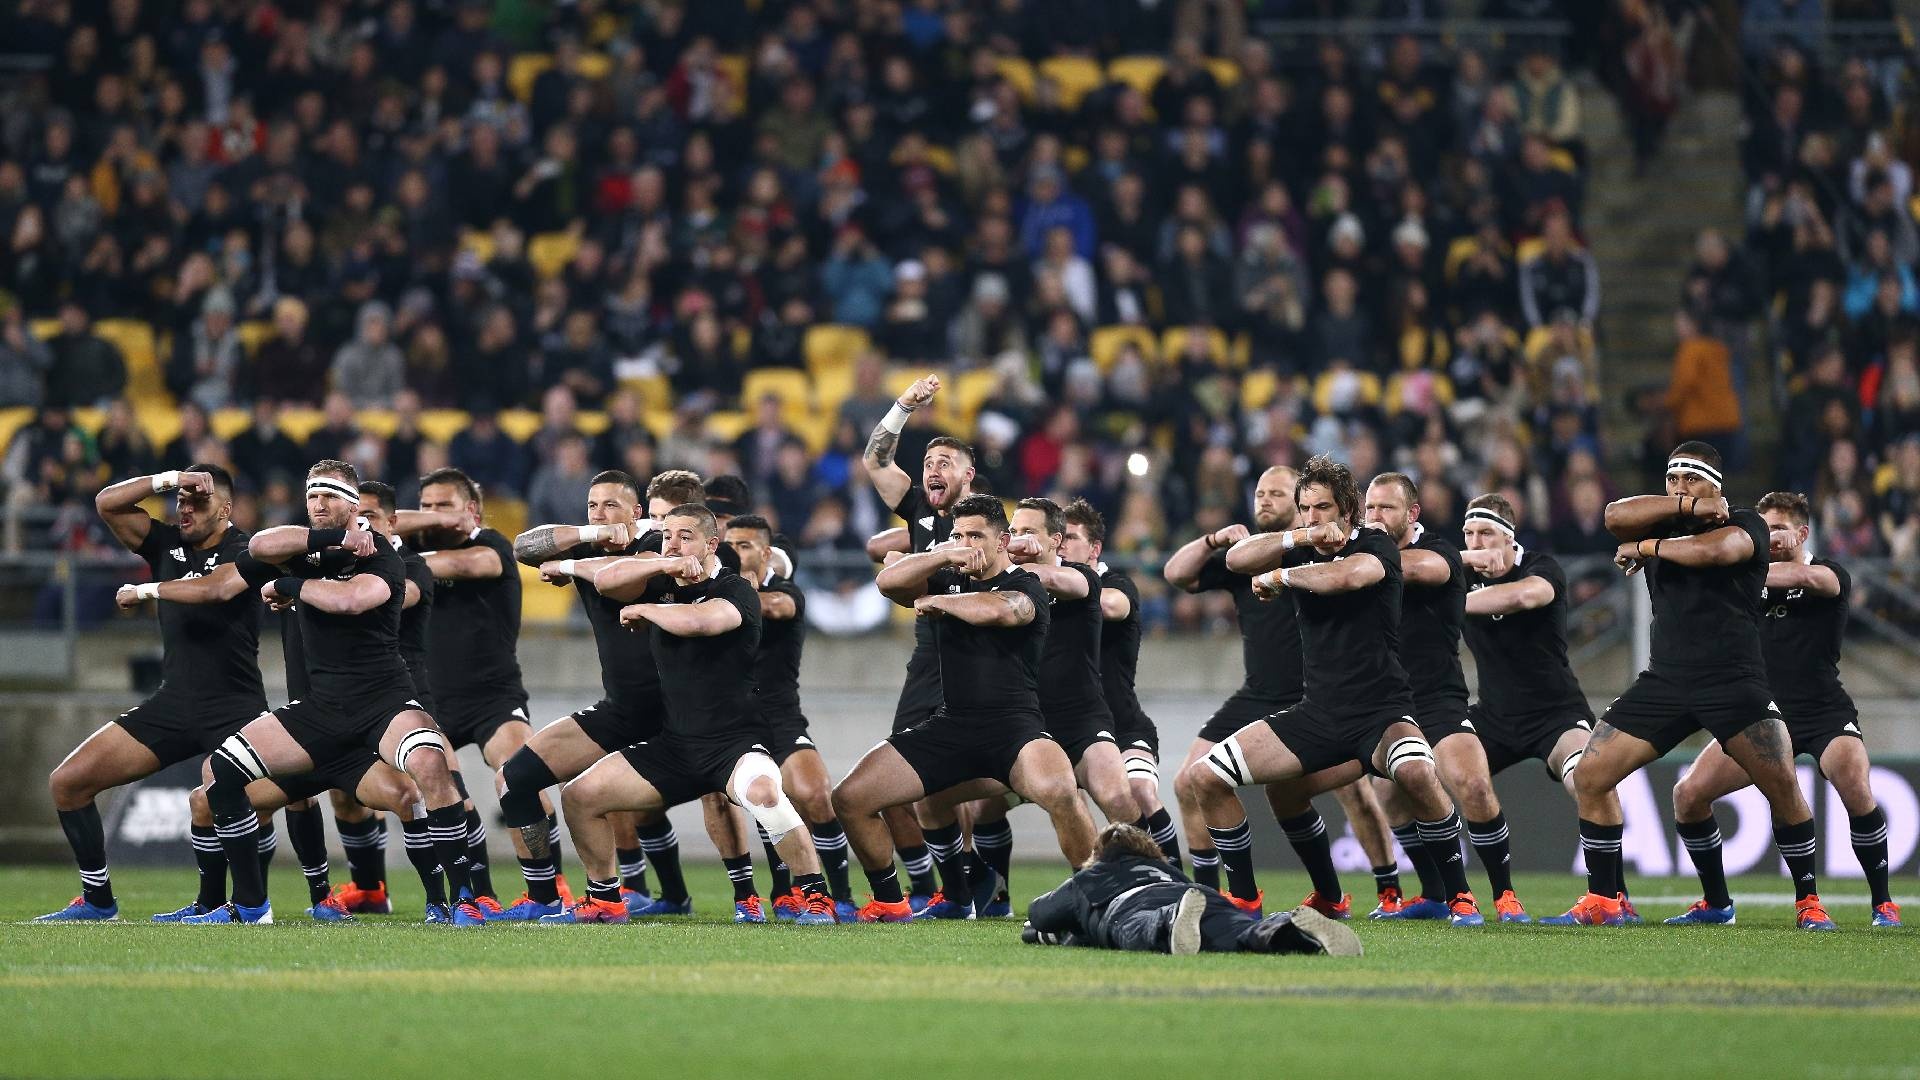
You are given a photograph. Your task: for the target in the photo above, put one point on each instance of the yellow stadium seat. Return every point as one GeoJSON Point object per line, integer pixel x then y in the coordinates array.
{"type": "Point", "coordinates": [592, 423]}
{"type": "Point", "coordinates": [1019, 73]}
{"type": "Point", "coordinates": [509, 516]}
{"type": "Point", "coordinates": [815, 428]}
{"type": "Point", "coordinates": [140, 349]}
{"type": "Point", "coordinates": [661, 422]}
{"type": "Point", "coordinates": [441, 425]}
{"type": "Point", "coordinates": [970, 391]}
{"type": "Point", "coordinates": [227, 424]}
{"type": "Point", "coordinates": [1076, 76]}
{"type": "Point", "coordinates": [1225, 71]}
{"type": "Point", "coordinates": [1442, 392]}
{"type": "Point", "coordinates": [44, 329]}
{"type": "Point", "coordinates": [522, 70]}
{"type": "Point", "coordinates": [793, 388]}
{"type": "Point", "coordinates": [11, 421]}
{"type": "Point", "coordinates": [297, 424]}
{"type": "Point", "coordinates": [542, 603]}
{"type": "Point", "coordinates": [941, 158]}
{"type": "Point", "coordinates": [89, 420]}
{"type": "Point", "coordinates": [831, 387]}
{"type": "Point", "coordinates": [1258, 389]}
{"type": "Point", "coordinates": [1529, 250]}
{"type": "Point", "coordinates": [1173, 343]}
{"type": "Point", "coordinates": [519, 424]}
{"type": "Point", "coordinates": [551, 252]}
{"type": "Point", "coordinates": [1106, 341]}
{"type": "Point", "coordinates": [161, 423]}
{"type": "Point", "coordinates": [734, 67]}
{"type": "Point", "coordinates": [834, 345]}
{"type": "Point", "coordinates": [728, 425]}
{"type": "Point", "coordinates": [253, 334]}
{"type": "Point", "coordinates": [654, 392]}
{"type": "Point", "coordinates": [1323, 390]}
{"type": "Point", "coordinates": [480, 243]}
{"type": "Point", "coordinates": [1140, 72]}
{"type": "Point", "coordinates": [381, 422]}
{"type": "Point", "coordinates": [1241, 352]}
{"type": "Point", "coordinates": [595, 66]}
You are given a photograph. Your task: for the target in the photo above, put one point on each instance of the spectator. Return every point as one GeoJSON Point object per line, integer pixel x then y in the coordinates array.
{"type": "Point", "coordinates": [910, 330]}
{"type": "Point", "coordinates": [1700, 393]}
{"type": "Point", "coordinates": [1549, 102]}
{"type": "Point", "coordinates": [87, 369]}
{"type": "Point", "coordinates": [123, 446]}
{"type": "Point", "coordinates": [1050, 205]}
{"type": "Point", "coordinates": [856, 278]}
{"type": "Point", "coordinates": [554, 494]}
{"type": "Point", "coordinates": [24, 359]}
{"type": "Point", "coordinates": [1563, 275]}
{"type": "Point", "coordinates": [290, 367]}
{"type": "Point", "coordinates": [208, 362]}
{"type": "Point", "coordinates": [988, 326]}
{"type": "Point", "coordinates": [264, 452]}
{"type": "Point", "coordinates": [759, 446]}
{"type": "Point", "coordinates": [370, 369]}
{"type": "Point", "coordinates": [494, 461]}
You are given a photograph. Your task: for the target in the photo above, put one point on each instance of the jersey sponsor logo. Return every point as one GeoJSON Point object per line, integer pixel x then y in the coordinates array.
{"type": "Point", "coordinates": [1851, 728]}
{"type": "Point", "coordinates": [179, 554]}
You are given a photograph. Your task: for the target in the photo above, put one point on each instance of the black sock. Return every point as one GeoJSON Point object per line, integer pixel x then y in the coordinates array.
{"type": "Point", "coordinates": [1702, 841]}
{"type": "Point", "coordinates": [830, 840]}
{"type": "Point", "coordinates": [541, 871]}
{"type": "Point", "coordinates": [1491, 846]}
{"type": "Point", "coordinates": [994, 842]}
{"type": "Point", "coordinates": [606, 891]}
{"type": "Point", "coordinates": [781, 877]}
{"type": "Point", "coordinates": [662, 846]}
{"type": "Point", "coordinates": [1601, 845]}
{"type": "Point", "coordinates": [980, 876]}
{"type": "Point", "coordinates": [740, 872]}
{"type": "Point", "coordinates": [1235, 845]}
{"type": "Point", "coordinates": [1159, 825]}
{"type": "Point", "coordinates": [1797, 846]}
{"type": "Point", "coordinates": [307, 832]}
{"type": "Point", "coordinates": [1443, 839]}
{"type": "Point", "coordinates": [419, 842]}
{"type": "Point", "coordinates": [211, 861]}
{"type": "Point", "coordinates": [885, 883]}
{"type": "Point", "coordinates": [88, 838]}
{"type": "Point", "coordinates": [365, 843]}
{"type": "Point", "coordinates": [448, 827]}
{"type": "Point", "coordinates": [1431, 887]}
{"type": "Point", "coordinates": [478, 873]}
{"type": "Point", "coordinates": [265, 846]}
{"type": "Point", "coordinates": [944, 843]}
{"type": "Point", "coordinates": [1870, 847]}
{"type": "Point", "coordinates": [240, 839]}
{"type": "Point", "coordinates": [1206, 867]}
{"type": "Point", "coordinates": [919, 864]}
{"type": "Point", "coordinates": [553, 842]}
{"type": "Point", "coordinates": [1386, 877]}
{"type": "Point", "coordinates": [811, 885]}
{"type": "Point", "coordinates": [633, 869]}
{"type": "Point", "coordinates": [1308, 835]}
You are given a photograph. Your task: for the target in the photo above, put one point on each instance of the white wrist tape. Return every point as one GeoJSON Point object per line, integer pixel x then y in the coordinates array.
{"type": "Point", "coordinates": [566, 566]}
{"type": "Point", "coordinates": [166, 481]}
{"type": "Point", "coordinates": [1266, 581]}
{"type": "Point", "coordinates": [1286, 540]}
{"type": "Point", "coordinates": [896, 419]}
{"type": "Point", "coordinates": [148, 591]}
{"type": "Point", "coordinates": [1286, 577]}
{"type": "Point", "coordinates": [590, 534]}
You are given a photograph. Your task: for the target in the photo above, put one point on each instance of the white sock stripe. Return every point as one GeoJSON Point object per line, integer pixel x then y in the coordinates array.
{"type": "Point", "coordinates": [1239, 839]}
{"type": "Point", "coordinates": [376, 840]}
{"type": "Point", "coordinates": [246, 826]}
{"type": "Point", "coordinates": [1307, 832]}
{"type": "Point", "coordinates": [1600, 846]}
{"type": "Point", "coordinates": [1702, 843]}
{"type": "Point", "coordinates": [633, 869]}
{"type": "Point", "coordinates": [95, 877]}
{"type": "Point", "coordinates": [477, 834]}
{"type": "Point", "coordinates": [1206, 860]}
{"type": "Point", "coordinates": [836, 842]}
{"type": "Point", "coordinates": [315, 871]}
{"type": "Point", "coordinates": [1875, 837]}
{"type": "Point", "coordinates": [1165, 833]}
{"type": "Point", "coordinates": [1796, 850]}
{"type": "Point", "coordinates": [1494, 837]}
{"type": "Point", "coordinates": [536, 875]}
{"type": "Point", "coordinates": [659, 843]}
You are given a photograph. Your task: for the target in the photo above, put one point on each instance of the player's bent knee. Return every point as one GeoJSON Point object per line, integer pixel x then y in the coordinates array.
{"type": "Point", "coordinates": [756, 786]}
{"type": "Point", "coordinates": [522, 779]}
{"type": "Point", "coordinates": [1223, 768]}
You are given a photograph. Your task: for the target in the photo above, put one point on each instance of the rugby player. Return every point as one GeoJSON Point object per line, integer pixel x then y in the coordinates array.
{"type": "Point", "coordinates": [632, 710]}
{"type": "Point", "coordinates": [776, 671]}
{"type": "Point", "coordinates": [1130, 898]}
{"type": "Point", "coordinates": [986, 738]}
{"type": "Point", "coordinates": [1271, 659]}
{"type": "Point", "coordinates": [1706, 566]}
{"type": "Point", "coordinates": [209, 673]}
{"type": "Point", "coordinates": [946, 477]}
{"type": "Point", "coordinates": [361, 709]}
{"type": "Point", "coordinates": [1356, 711]}
{"type": "Point", "coordinates": [1531, 706]}
{"type": "Point", "coordinates": [1801, 628]}
{"type": "Point", "coordinates": [704, 624]}
{"type": "Point", "coordinates": [1433, 612]}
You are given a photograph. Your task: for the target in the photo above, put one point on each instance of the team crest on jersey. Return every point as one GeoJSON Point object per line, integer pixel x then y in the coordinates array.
{"type": "Point", "coordinates": [179, 554]}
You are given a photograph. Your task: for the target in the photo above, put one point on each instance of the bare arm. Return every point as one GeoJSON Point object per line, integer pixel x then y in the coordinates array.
{"type": "Point", "coordinates": [892, 540]}
{"type": "Point", "coordinates": [1724, 546]}
{"type": "Point", "coordinates": [284, 543]}
{"type": "Point", "coordinates": [1637, 517]}
{"type": "Point", "coordinates": [890, 480]}
{"type": "Point", "coordinates": [545, 543]}
{"type": "Point", "coordinates": [465, 564]}
{"type": "Point", "coordinates": [778, 605]}
{"type": "Point", "coordinates": [119, 506]}
{"type": "Point", "coordinates": [1818, 580]}
{"type": "Point", "coordinates": [357, 595]}
{"type": "Point", "coordinates": [980, 609]}
{"type": "Point", "coordinates": [1183, 566]}
{"type": "Point", "coordinates": [1061, 581]}
{"type": "Point", "coordinates": [626, 578]}
{"type": "Point", "coordinates": [1514, 596]}
{"type": "Point", "coordinates": [408, 522]}
{"type": "Point", "coordinates": [1345, 575]}
{"type": "Point", "coordinates": [1425, 568]}
{"type": "Point", "coordinates": [413, 596]}
{"type": "Point", "coordinates": [563, 571]}
{"type": "Point", "coordinates": [1114, 605]}
{"type": "Point", "coordinates": [222, 585]}
{"type": "Point", "coordinates": [1262, 551]}
{"type": "Point", "coordinates": [905, 579]}
{"type": "Point", "coordinates": [708, 618]}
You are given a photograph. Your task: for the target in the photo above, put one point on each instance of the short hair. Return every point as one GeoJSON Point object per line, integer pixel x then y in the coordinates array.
{"type": "Point", "coordinates": [381, 493]}
{"type": "Point", "coordinates": [1049, 510]}
{"type": "Point", "coordinates": [677, 486]}
{"type": "Point", "coordinates": [1791, 503]}
{"type": "Point", "coordinates": [950, 443]}
{"type": "Point", "coordinates": [1406, 484]}
{"type": "Point", "coordinates": [616, 476]}
{"type": "Point", "coordinates": [1122, 841]}
{"type": "Point", "coordinates": [752, 521]}
{"type": "Point", "coordinates": [453, 477]}
{"type": "Point", "coordinates": [1694, 448]}
{"type": "Point", "coordinates": [222, 479]}
{"type": "Point", "coordinates": [1495, 502]}
{"type": "Point", "coordinates": [708, 525]}
{"type": "Point", "coordinates": [1081, 512]}
{"type": "Point", "coordinates": [728, 495]}
{"type": "Point", "coordinates": [1322, 471]}
{"type": "Point", "coordinates": [983, 506]}
{"type": "Point", "coordinates": [334, 467]}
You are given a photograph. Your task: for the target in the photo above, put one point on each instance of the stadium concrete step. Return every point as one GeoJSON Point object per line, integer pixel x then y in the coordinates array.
{"type": "Point", "coordinates": [1642, 230]}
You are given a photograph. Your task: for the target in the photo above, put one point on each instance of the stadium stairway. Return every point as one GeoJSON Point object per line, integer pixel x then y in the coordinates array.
{"type": "Point", "coordinates": [1642, 231]}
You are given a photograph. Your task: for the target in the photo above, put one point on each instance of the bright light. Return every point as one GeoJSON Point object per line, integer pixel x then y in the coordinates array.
{"type": "Point", "coordinates": [1137, 464]}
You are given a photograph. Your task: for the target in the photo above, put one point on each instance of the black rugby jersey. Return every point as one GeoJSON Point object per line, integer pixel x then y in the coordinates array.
{"type": "Point", "coordinates": [352, 657]}
{"type": "Point", "coordinates": [211, 650]}
{"type": "Point", "coordinates": [1070, 687]}
{"type": "Point", "coordinates": [628, 673]}
{"type": "Point", "coordinates": [415, 620]}
{"type": "Point", "coordinates": [925, 528]}
{"type": "Point", "coordinates": [1709, 616]}
{"type": "Point", "coordinates": [1800, 635]}
{"type": "Point", "coordinates": [1522, 657]}
{"type": "Point", "coordinates": [1431, 619]}
{"type": "Point", "coordinates": [1350, 641]}
{"type": "Point", "coordinates": [1269, 633]}
{"type": "Point", "coordinates": [472, 641]}
{"type": "Point", "coordinates": [708, 681]}
{"type": "Point", "coordinates": [1120, 653]}
{"type": "Point", "coordinates": [988, 670]}
{"type": "Point", "coordinates": [776, 668]}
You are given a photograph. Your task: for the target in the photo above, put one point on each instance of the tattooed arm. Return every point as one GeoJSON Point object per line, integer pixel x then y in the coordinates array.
{"type": "Point", "coordinates": [889, 479]}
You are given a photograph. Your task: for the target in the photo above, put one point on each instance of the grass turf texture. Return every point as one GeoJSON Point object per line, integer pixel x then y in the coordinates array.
{"type": "Point", "coordinates": [701, 997]}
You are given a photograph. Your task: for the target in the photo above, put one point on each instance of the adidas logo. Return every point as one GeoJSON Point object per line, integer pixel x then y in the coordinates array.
{"type": "Point", "coordinates": [927, 523]}
{"type": "Point", "coordinates": [1806, 877]}
{"type": "Point", "coordinates": [1851, 728]}
{"type": "Point", "coordinates": [179, 554]}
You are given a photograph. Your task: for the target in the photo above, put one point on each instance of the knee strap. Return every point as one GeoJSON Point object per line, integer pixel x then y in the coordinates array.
{"type": "Point", "coordinates": [1405, 752]}
{"type": "Point", "coordinates": [1229, 762]}
{"type": "Point", "coordinates": [1566, 767]}
{"type": "Point", "coordinates": [459, 782]}
{"type": "Point", "coordinates": [419, 739]}
{"type": "Point", "coordinates": [227, 795]}
{"type": "Point", "coordinates": [779, 819]}
{"type": "Point", "coordinates": [524, 777]}
{"type": "Point", "coordinates": [1143, 768]}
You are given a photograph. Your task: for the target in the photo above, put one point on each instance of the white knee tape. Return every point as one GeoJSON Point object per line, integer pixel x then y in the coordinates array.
{"type": "Point", "coordinates": [1143, 768]}
{"type": "Point", "coordinates": [780, 818]}
{"type": "Point", "coordinates": [416, 739]}
{"type": "Point", "coordinates": [1406, 751]}
{"type": "Point", "coordinates": [1229, 763]}
{"type": "Point", "coordinates": [1566, 767]}
{"type": "Point", "coordinates": [241, 753]}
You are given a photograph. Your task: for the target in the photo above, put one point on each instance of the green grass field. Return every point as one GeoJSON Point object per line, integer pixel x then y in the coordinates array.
{"type": "Point", "coordinates": [696, 998]}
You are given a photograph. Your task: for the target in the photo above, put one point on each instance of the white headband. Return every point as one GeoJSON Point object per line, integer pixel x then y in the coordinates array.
{"type": "Point", "coordinates": [1680, 466]}
{"type": "Point", "coordinates": [327, 485]}
{"type": "Point", "coordinates": [1491, 518]}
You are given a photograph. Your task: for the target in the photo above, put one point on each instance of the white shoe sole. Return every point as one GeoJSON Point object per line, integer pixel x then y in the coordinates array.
{"type": "Point", "coordinates": [1184, 938]}
{"type": "Point", "coordinates": [1335, 937]}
